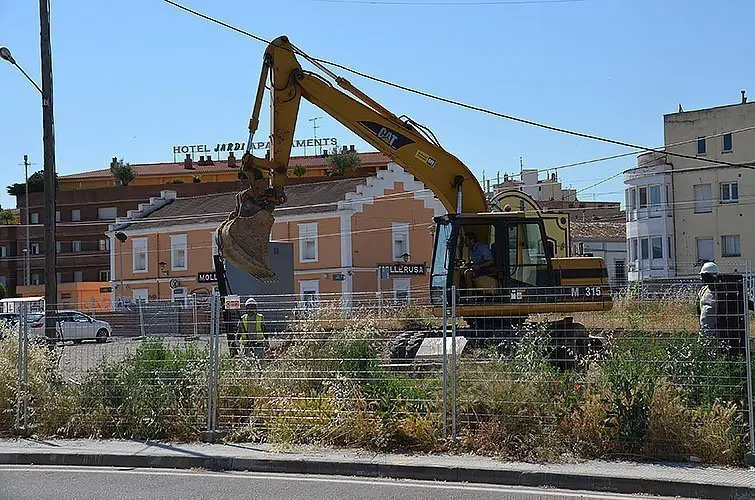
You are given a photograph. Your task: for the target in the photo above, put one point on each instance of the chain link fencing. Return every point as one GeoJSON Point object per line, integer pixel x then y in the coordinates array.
{"type": "Point", "coordinates": [394, 372]}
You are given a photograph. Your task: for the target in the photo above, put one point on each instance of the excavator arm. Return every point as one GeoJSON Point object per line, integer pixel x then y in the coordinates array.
{"type": "Point", "coordinates": [243, 238]}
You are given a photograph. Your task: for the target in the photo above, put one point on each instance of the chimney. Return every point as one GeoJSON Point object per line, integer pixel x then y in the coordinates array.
{"type": "Point", "coordinates": [352, 148]}
{"type": "Point", "coordinates": [188, 163]}
{"type": "Point", "coordinates": [231, 160]}
{"type": "Point", "coordinates": [114, 161]}
{"type": "Point", "coordinates": [744, 96]}
{"type": "Point", "coordinates": [344, 149]}
{"type": "Point", "coordinates": [201, 160]}
{"type": "Point", "coordinates": [325, 152]}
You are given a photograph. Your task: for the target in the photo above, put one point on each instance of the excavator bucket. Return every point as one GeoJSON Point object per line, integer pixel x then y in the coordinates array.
{"type": "Point", "coordinates": [244, 241]}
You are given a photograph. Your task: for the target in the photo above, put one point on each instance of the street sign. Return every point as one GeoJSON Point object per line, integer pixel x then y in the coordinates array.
{"type": "Point", "coordinates": [207, 277]}
{"type": "Point", "coordinates": [402, 270]}
{"type": "Point", "coordinates": [232, 302]}
{"type": "Point", "coordinates": [339, 277]}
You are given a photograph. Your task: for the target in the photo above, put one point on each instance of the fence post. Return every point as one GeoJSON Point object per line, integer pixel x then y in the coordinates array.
{"type": "Point", "coordinates": [213, 368]}
{"type": "Point", "coordinates": [141, 318]}
{"type": "Point", "coordinates": [453, 362]}
{"type": "Point", "coordinates": [445, 362]}
{"type": "Point", "coordinates": [194, 305]}
{"type": "Point", "coordinates": [19, 364]}
{"type": "Point", "coordinates": [748, 370]}
{"type": "Point", "coordinates": [23, 320]}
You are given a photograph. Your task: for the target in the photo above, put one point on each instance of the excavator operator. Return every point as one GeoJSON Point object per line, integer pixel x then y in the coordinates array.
{"type": "Point", "coordinates": [480, 260]}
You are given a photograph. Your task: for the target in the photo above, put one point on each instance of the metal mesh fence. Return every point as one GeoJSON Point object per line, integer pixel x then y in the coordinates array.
{"type": "Point", "coordinates": [479, 373]}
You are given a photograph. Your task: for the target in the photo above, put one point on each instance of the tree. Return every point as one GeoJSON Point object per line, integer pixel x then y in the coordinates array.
{"type": "Point", "coordinates": [36, 184]}
{"type": "Point", "coordinates": [299, 170]}
{"type": "Point", "coordinates": [6, 217]}
{"type": "Point", "coordinates": [196, 179]}
{"type": "Point", "coordinates": [124, 172]}
{"type": "Point", "coordinates": [343, 162]}
{"type": "Point", "coordinates": [175, 181]}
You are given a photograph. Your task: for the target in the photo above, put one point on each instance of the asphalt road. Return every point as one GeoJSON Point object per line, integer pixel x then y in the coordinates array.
{"type": "Point", "coordinates": [74, 483]}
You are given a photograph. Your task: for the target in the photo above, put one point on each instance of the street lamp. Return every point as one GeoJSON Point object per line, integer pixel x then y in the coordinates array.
{"type": "Point", "coordinates": [6, 54]}
{"type": "Point", "coordinates": [48, 142]}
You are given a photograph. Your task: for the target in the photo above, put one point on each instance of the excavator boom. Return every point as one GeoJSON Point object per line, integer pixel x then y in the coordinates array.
{"type": "Point", "coordinates": [243, 238]}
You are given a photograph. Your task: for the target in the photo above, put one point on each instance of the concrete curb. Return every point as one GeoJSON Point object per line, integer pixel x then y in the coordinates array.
{"type": "Point", "coordinates": [362, 468]}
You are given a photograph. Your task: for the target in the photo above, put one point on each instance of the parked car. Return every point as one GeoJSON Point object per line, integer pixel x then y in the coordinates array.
{"type": "Point", "coordinates": [72, 325]}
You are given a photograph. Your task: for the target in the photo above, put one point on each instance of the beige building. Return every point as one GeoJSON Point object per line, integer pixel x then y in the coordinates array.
{"type": "Point", "coordinates": [341, 230]}
{"type": "Point", "coordinates": [684, 211]}
{"type": "Point", "coordinates": [713, 215]}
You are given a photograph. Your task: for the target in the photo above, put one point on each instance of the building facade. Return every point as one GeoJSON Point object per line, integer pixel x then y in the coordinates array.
{"type": "Point", "coordinates": [341, 230]}
{"type": "Point", "coordinates": [605, 239]}
{"type": "Point", "coordinates": [650, 218]}
{"type": "Point", "coordinates": [683, 211]}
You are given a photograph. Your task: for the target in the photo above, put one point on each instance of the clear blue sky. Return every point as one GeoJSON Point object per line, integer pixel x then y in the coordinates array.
{"type": "Point", "coordinates": [134, 78]}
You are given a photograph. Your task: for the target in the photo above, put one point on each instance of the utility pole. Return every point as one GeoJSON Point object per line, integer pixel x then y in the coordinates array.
{"type": "Point", "coordinates": [27, 261]}
{"type": "Point", "coordinates": [315, 127]}
{"type": "Point", "coordinates": [48, 140]}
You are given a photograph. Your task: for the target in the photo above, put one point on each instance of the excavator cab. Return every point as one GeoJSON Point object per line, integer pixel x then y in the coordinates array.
{"type": "Point", "coordinates": [524, 278]}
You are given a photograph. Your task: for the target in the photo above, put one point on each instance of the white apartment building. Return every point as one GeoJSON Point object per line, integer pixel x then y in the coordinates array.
{"type": "Point", "coordinates": [650, 218]}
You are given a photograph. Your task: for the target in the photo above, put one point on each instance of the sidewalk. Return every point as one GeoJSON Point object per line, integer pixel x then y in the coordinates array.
{"type": "Point", "coordinates": [620, 477]}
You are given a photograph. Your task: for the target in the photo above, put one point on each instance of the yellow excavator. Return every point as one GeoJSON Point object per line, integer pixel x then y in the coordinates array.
{"type": "Point", "coordinates": [532, 272]}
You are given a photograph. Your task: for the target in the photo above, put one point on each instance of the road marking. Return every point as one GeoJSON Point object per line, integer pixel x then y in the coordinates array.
{"type": "Point", "coordinates": [405, 483]}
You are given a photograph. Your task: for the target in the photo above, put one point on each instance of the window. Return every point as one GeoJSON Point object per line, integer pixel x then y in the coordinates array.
{"type": "Point", "coordinates": [105, 245]}
{"type": "Point", "coordinates": [139, 248]}
{"type": "Point", "coordinates": [308, 242]}
{"type": "Point", "coordinates": [35, 248]}
{"type": "Point", "coordinates": [78, 276]}
{"type": "Point", "coordinates": [35, 217]}
{"type": "Point", "coordinates": [76, 246]}
{"type": "Point", "coordinates": [35, 279]}
{"type": "Point", "coordinates": [57, 216]}
{"type": "Point", "coordinates": [632, 199]}
{"type": "Point", "coordinates": [643, 195]}
{"type": "Point", "coordinates": [107, 213]}
{"type": "Point", "coordinates": [727, 143]}
{"type": "Point", "coordinates": [3, 251]}
{"type": "Point", "coordinates": [729, 192]}
{"type": "Point", "coordinates": [703, 196]}
{"type": "Point", "coordinates": [656, 246]}
{"type": "Point", "coordinates": [701, 145]}
{"type": "Point", "coordinates": [140, 294]}
{"type": "Point", "coordinates": [178, 252]}
{"type": "Point", "coordinates": [58, 247]}
{"type": "Point", "coordinates": [309, 291]}
{"type": "Point", "coordinates": [655, 200]}
{"type": "Point", "coordinates": [178, 294]}
{"type": "Point", "coordinates": [730, 246]}
{"type": "Point", "coordinates": [105, 275]}
{"type": "Point", "coordinates": [75, 215]}
{"type": "Point", "coordinates": [400, 238]}
{"type": "Point", "coordinates": [401, 290]}
{"type": "Point", "coordinates": [527, 259]}
{"type": "Point", "coordinates": [633, 249]}
{"type": "Point", "coordinates": [705, 249]}
{"type": "Point", "coordinates": [58, 277]}
{"type": "Point", "coordinates": [644, 249]}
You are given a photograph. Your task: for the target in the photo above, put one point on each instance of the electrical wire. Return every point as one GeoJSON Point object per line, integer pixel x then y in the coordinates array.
{"type": "Point", "coordinates": [454, 102]}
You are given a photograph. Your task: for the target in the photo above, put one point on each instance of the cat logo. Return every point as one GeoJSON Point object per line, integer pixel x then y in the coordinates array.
{"type": "Point", "coordinates": [392, 138]}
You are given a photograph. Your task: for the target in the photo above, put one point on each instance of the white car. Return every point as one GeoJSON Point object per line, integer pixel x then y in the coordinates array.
{"type": "Point", "coordinates": [72, 325]}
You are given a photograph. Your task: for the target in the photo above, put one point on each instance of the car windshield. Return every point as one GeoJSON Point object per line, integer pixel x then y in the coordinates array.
{"type": "Point", "coordinates": [33, 318]}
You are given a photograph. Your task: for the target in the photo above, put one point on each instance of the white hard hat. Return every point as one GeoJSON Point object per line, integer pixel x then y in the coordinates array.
{"type": "Point", "coordinates": [250, 302]}
{"type": "Point", "coordinates": [709, 268]}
